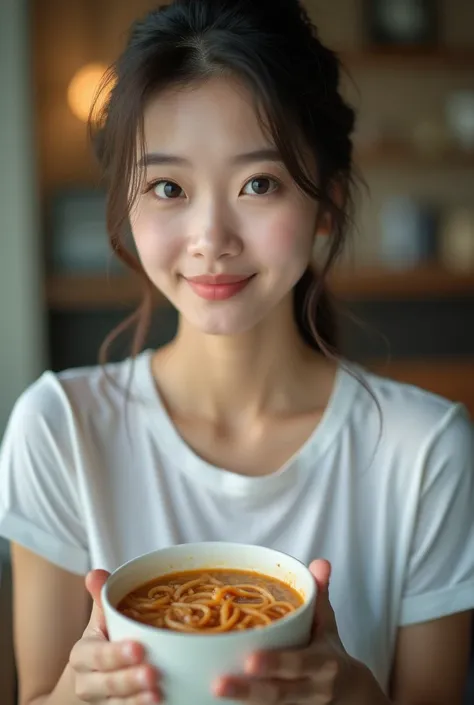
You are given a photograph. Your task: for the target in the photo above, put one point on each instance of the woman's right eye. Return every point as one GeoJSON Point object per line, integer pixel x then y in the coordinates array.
{"type": "Point", "coordinates": [167, 190]}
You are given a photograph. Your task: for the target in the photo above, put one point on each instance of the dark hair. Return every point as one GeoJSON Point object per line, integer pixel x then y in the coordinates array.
{"type": "Point", "coordinates": [274, 48]}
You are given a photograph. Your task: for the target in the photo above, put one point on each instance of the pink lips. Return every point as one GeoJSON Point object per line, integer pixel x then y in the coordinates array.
{"type": "Point", "coordinates": [218, 287]}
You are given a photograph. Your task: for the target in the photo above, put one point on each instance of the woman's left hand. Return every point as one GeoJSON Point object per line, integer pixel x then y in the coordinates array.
{"type": "Point", "coordinates": [321, 674]}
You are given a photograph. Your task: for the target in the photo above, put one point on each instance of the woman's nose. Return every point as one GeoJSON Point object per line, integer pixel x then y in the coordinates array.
{"type": "Point", "coordinates": [213, 235]}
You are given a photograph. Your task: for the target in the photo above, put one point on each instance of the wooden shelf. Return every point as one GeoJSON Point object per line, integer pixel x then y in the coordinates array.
{"type": "Point", "coordinates": [417, 283]}
{"type": "Point", "coordinates": [445, 58]}
{"type": "Point", "coordinates": [79, 292]}
{"type": "Point", "coordinates": [75, 292]}
{"type": "Point", "coordinates": [452, 378]}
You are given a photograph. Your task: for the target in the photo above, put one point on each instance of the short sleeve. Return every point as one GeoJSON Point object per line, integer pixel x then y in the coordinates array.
{"type": "Point", "coordinates": [39, 498]}
{"type": "Point", "coordinates": [440, 573]}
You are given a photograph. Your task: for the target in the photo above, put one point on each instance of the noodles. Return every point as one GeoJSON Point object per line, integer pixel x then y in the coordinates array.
{"type": "Point", "coordinates": [211, 603]}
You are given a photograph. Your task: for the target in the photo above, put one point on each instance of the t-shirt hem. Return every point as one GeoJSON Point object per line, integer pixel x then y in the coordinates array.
{"type": "Point", "coordinates": [434, 605]}
{"type": "Point", "coordinates": [19, 530]}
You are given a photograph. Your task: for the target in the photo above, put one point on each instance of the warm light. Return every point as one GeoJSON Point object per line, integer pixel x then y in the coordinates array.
{"type": "Point", "coordinates": [83, 89]}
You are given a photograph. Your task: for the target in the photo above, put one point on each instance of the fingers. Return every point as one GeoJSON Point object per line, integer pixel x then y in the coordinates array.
{"type": "Point", "coordinates": [265, 692]}
{"type": "Point", "coordinates": [324, 618]}
{"type": "Point", "coordinates": [94, 582]}
{"type": "Point", "coordinates": [302, 663]}
{"type": "Point", "coordinates": [283, 678]}
{"type": "Point", "coordinates": [124, 683]}
{"type": "Point", "coordinates": [321, 570]}
{"type": "Point", "coordinates": [94, 655]}
{"type": "Point", "coordinates": [141, 699]}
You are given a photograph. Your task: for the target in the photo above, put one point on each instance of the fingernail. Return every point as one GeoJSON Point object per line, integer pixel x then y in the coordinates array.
{"type": "Point", "coordinates": [143, 677]}
{"type": "Point", "coordinates": [150, 698]}
{"type": "Point", "coordinates": [251, 666]}
{"type": "Point", "coordinates": [257, 663]}
{"type": "Point", "coordinates": [232, 690]}
{"type": "Point", "coordinates": [222, 689]}
{"type": "Point", "coordinates": [129, 653]}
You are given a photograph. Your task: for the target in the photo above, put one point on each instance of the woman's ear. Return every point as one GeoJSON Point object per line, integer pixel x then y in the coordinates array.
{"type": "Point", "coordinates": [325, 222]}
{"type": "Point", "coordinates": [324, 225]}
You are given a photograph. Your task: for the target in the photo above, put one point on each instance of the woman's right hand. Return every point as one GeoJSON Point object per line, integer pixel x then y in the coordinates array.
{"type": "Point", "coordinates": [105, 672]}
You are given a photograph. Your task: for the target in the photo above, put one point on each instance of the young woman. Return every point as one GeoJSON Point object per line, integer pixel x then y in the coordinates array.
{"type": "Point", "coordinates": [227, 147]}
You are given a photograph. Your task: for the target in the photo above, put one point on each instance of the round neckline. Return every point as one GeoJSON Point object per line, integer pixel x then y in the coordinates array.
{"type": "Point", "coordinates": [223, 481]}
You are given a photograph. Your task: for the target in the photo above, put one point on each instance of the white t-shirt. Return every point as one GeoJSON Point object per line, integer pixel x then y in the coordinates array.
{"type": "Point", "coordinates": [91, 480]}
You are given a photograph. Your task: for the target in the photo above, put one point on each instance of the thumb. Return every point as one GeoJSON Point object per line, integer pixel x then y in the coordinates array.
{"type": "Point", "coordinates": [323, 614]}
{"type": "Point", "coordinates": [94, 583]}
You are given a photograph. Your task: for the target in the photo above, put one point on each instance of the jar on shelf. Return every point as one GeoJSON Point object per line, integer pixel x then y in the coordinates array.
{"type": "Point", "coordinates": [456, 241]}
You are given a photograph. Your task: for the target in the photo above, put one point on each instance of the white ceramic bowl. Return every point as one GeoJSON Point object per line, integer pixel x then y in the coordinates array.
{"type": "Point", "coordinates": [189, 663]}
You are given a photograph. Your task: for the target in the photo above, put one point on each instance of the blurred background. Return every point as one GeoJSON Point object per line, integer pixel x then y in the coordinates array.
{"type": "Point", "coordinates": [409, 272]}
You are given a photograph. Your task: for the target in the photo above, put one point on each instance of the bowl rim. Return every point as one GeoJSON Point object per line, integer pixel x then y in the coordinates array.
{"type": "Point", "coordinates": [308, 601]}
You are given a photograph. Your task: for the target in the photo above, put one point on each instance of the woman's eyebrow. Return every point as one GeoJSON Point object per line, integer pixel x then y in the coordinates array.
{"type": "Point", "coordinates": [162, 158]}
{"type": "Point", "coordinates": [267, 154]}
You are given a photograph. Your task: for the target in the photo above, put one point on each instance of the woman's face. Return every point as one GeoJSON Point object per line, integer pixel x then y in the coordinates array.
{"type": "Point", "coordinates": [220, 226]}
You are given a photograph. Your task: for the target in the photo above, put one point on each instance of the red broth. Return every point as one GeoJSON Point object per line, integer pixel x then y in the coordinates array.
{"type": "Point", "coordinates": [211, 601]}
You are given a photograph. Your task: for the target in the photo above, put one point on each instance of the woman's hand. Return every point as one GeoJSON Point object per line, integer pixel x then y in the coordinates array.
{"type": "Point", "coordinates": [110, 673]}
{"type": "Point", "coordinates": [321, 674]}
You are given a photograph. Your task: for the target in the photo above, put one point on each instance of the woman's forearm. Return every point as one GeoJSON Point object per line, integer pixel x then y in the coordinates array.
{"type": "Point", "coordinates": [63, 694]}
{"type": "Point", "coordinates": [367, 689]}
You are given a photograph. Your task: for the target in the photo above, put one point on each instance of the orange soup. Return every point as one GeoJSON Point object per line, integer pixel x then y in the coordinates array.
{"type": "Point", "coordinates": [211, 602]}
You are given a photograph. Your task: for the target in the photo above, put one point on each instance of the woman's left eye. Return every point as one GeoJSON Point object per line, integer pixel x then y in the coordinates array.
{"type": "Point", "coordinates": [260, 186]}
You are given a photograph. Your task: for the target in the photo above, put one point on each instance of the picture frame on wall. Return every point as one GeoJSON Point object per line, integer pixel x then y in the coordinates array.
{"type": "Point", "coordinates": [402, 23]}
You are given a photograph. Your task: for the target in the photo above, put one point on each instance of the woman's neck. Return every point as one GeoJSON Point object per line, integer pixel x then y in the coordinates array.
{"type": "Point", "coordinates": [268, 370]}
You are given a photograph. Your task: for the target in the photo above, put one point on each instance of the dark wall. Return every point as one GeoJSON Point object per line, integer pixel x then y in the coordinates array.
{"type": "Point", "coordinates": [75, 338]}
{"type": "Point", "coordinates": [408, 329]}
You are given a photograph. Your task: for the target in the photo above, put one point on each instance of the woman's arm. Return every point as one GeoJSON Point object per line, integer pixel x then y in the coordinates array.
{"type": "Point", "coordinates": [430, 667]}
{"type": "Point", "coordinates": [63, 654]}
{"type": "Point", "coordinates": [51, 611]}
{"type": "Point", "coordinates": [431, 662]}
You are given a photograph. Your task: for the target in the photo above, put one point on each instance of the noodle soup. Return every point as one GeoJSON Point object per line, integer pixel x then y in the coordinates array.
{"type": "Point", "coordinates": [222, 601]}
{"type": "Point", "coordinates": [211, 601]}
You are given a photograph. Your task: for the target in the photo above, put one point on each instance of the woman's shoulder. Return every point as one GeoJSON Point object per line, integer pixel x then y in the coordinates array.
{"type": "Point", "coordinates": [407, 411]}
{"type": "Point", "coordinates": [80, 391]}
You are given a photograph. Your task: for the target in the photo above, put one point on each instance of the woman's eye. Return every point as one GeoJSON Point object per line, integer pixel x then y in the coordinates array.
{"type": "Point", "coordinates": [167, 190]}
{"type": "Point", "coordinates": [260, 186]}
